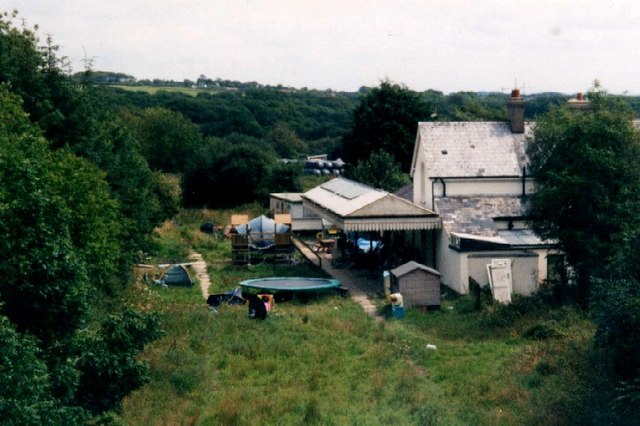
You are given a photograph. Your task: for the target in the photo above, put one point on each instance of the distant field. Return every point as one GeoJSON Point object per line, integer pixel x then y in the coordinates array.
{"type": "Point", "coordinates": [155, 89]}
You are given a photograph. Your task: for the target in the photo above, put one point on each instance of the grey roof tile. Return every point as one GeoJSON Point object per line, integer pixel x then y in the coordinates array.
{"type": "Point", "coordinates": [473, 149]}
{"type": "Point", "coordinates": [475, 215]}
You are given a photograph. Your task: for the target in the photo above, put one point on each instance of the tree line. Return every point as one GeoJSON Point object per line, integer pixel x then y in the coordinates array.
{"type": "Point", "coordinates": [78, 202]}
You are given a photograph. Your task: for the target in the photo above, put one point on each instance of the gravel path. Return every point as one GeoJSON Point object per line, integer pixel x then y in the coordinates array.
{"type": "Point", "coordinates": [200, 266]}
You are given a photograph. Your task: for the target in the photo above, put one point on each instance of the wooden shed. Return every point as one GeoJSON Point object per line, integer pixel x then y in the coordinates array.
{"type": "Point", "coordinates": [418, 284]}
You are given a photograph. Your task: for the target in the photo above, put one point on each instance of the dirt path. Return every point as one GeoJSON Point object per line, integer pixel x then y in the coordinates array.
{"type": "Point", "coordinates": [200, 266]}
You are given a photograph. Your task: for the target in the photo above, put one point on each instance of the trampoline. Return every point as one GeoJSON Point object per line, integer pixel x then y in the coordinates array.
{"type": "Point", "coordinates": [291, 284]}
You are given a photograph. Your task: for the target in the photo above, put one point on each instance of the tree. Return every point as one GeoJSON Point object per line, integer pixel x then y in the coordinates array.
{"type": "Point", "coordinates": [285, 141]}
{"type": "Point", "coordinates": [75, 197]}
{"type": "Point", "coordinates": [584, 163]}
{"type": "Point", "coordinates": [223, 176]}
{"type": "Point", "coordinates": [108, 365]}
{"type": "Point", "coordinates": [380, 171]}
{"type": "Point", "coordinates": [25, 386]}
{"type": "Point", "coordinates": [168, 140]}
{"type": "Point", "coordinates": [386, 119]}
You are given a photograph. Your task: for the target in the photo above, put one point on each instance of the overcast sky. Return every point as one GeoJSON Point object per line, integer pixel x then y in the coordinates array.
{"type": "Point", "coordinates": [447, 45]}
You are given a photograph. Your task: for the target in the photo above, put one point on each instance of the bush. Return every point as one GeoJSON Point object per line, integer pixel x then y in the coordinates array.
{"type": "Point", "coordinates": [616, 312]}
{"type": "Point", "coordinates": [544, 331]}
{"type": "Point", "coordinates": [109, 369]}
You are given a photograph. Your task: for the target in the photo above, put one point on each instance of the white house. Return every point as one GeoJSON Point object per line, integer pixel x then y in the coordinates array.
{"type": "Point", "coordinates": [474, 175]}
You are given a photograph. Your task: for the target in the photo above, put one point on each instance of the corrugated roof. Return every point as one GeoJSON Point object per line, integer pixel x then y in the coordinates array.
{"type": "Point", "coordinates": [521, 237]}
{"type": "Point", "coordinates": [472, 149]}
{"type": "Point", "coordinates": [292, 197]}
{"type": "Point", "coordinates": [343, 196]}
{"type": "Point", "coordinates": [358, 207]}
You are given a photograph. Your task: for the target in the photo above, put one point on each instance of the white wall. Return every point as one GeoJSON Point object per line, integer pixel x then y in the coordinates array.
{"type": "Point", "coordinates": [424, 189]}
{"type": "Point", "coordinates": [449, 264]}
{"type": "Point", "coordinates": [482, 187]}
{"type": "Point", "coordinates": [524, 269]}
{"type": "Point", "coordinates": [528, 267]}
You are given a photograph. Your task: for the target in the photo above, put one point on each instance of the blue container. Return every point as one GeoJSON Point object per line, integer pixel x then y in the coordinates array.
{"type": "Point", "coordinates": [397, 311]}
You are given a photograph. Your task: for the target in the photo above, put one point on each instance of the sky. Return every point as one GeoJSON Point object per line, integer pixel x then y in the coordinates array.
{"type": "Point", "coordinates": [446, 45]}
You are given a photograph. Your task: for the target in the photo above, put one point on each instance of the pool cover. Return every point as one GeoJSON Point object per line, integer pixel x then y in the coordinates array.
{"type": "Point", "coordinates": [293, 284]}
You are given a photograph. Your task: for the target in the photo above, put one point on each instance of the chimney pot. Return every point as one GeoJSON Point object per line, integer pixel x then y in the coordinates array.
{"type": "Point", "coordinates": [515, 108]}
{"type": "Point", "coordinates": [580, 102]}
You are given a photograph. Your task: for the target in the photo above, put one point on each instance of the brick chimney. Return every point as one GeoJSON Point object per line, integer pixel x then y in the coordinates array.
{"type": "Point", "coordinates": [515, 108]}
{"type": "Point", "coordinates": [580, 102]}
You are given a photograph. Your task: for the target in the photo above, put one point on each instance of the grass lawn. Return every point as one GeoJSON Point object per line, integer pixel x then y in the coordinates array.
{"type": "Point", "coordinates": [324, 361]}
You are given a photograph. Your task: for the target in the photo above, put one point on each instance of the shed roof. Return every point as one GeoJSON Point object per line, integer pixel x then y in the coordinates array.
{"type": "Point", "coordinates": [292, 197]}
{"type": "Point", "coordinates": [471, 149]}
{"type": "Point", "coordinates": [410, 267]}
{"type": "Point", "coordinates": [357, 207]}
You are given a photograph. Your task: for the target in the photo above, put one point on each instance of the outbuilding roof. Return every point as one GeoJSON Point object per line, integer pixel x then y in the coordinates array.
{"type": "Point", "coordinates": [291, 197]}
{"type": "Point", "coordinates": [410, 267]}
{"type": "Point", "coordinates": [474, 220]}
{"type": "Point", "coordinates": [357, 207]}
{"type": "Point", "coordinates": [471, 149]}
{"type": "Point", "coordinates": [475, 215]}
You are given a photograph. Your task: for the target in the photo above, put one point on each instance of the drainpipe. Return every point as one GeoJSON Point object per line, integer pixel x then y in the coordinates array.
{"type": "Point", "coordinates": [444, 187]}
{"type": "Point", "coordinates": [524, 175]}
{"type": "Point", "coordinates": [433, 197]}
{"type": "Point", "coordinates": [433, 193]}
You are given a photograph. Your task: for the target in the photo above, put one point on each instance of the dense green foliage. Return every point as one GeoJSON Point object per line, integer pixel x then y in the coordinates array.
{"type": "Point", "coordinates": [386, 119]}
{"type": "Point", "coordinates": [77, 202]}
{"type": "Point", "coordinates": [25, 385]}
{"type": "Point", "coordinates": [587, 182]}
{"type": "Point", "coordinates": [380, 170]}
{"type": "Point", "coordinates": [168, 140]}
{"type": "Point", "coordinates": [587, 198]}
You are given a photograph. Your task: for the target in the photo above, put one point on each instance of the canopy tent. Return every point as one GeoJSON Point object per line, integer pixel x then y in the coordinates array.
{"type": "Point", "coordinates": [262, 231]}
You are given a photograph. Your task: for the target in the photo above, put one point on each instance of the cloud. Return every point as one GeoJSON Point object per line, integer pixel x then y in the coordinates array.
{"type": "Point", "coordinates": [452, 45]}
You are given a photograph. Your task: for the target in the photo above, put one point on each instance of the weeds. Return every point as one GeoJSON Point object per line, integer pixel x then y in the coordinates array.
{"type": "Point", "coordinates": [323, 361]}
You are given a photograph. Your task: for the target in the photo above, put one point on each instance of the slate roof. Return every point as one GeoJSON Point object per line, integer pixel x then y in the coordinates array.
{"type": "Point", "coordinates": [472, 218]}
{"type": "Point", "coordinates": [474, 215]}
{"type": "Point", "coordinates": [406, 192]}
{"type": "Point", "coordinates": [472, 149]}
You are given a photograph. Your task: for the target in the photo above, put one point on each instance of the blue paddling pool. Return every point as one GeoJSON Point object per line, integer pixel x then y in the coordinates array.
{"type": "Point", "coordinates": [291, 284]}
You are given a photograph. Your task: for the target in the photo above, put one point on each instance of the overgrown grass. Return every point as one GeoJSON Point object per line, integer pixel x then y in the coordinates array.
{"type": "Point", "coordinates": [324, 361]}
